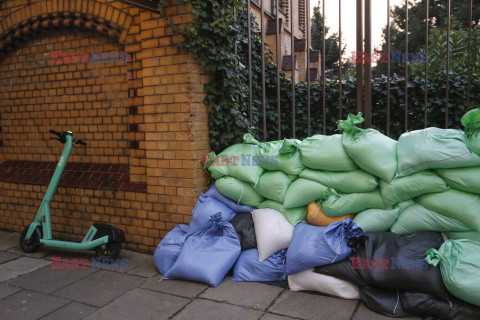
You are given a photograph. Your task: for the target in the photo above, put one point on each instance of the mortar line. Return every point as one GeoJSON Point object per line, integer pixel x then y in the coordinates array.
{"type": "Point", "coordinates": [267, 309]}
{"type": "Point", "coordinates": [170, 294]}
{"type": "Point", "coordinates": [181, 309]}
{"type": "Point", "coordinates": [70, 302]}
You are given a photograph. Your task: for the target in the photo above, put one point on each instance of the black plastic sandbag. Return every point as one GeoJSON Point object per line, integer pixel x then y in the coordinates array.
{"type": "Point", "coordinates": [383, 301]}
{"type": "Point", "coordinates": [398, 304]}
{"type": "Point", "coordinates": [391, 261]}
{"type": "Point", "coordinates": [422, 304]}
{"type": "Point", "coordinates": [243, 224]}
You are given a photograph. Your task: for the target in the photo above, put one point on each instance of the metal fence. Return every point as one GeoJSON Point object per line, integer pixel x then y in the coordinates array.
{"type": "Point", "coordinates": [363, 69]}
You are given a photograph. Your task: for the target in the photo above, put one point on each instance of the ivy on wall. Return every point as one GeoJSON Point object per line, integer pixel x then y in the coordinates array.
{"type": "Point", "coordinates": [211, 38]}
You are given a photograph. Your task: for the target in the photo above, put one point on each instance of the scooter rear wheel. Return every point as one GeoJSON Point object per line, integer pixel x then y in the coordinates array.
{"type": "Point", "coordinates": [32, 244]}
{"type": "Point", "coordinates": [110, 251]}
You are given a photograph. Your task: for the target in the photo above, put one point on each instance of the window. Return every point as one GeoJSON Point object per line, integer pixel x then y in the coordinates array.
{"type": "Point", "coordinates": [301, 15]}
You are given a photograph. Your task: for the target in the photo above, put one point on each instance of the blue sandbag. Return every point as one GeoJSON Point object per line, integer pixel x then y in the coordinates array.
{"type": "Point", "coordinates": [213, 192]}
{"type": "Point", "coordinates": [249, 268]}
{"type": "Point", "coordinates": [169, 248]}
{"type": "Point", "coordinates": [313, 246]}
{"type": "Point", "coordinates": [206, 207]}
{"type": "Point", "coordinates": [208, 254]}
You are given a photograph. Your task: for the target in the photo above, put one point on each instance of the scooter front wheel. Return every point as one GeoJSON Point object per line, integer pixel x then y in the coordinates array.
{"type": "Point", "coordinates": [111, 250]}
{"type": "Point", "coordinates": [32, 244]}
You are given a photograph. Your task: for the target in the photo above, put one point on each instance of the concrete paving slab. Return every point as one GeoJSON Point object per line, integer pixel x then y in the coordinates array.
{"type": "Point", "coordinates": [8, 240]}
{"type": "Point", "coordinates": [48, 280]}
{"type": "Point", "coordinates": [363, 313]}
{"type": "Point", "coordinates": [7, 256]}
{"type": "Point", "coordinates": [135, 260]}
{"type": "Point", "coordinates": [210, 310]}
{"type": "Point", "coordinates": [181, 288]}
{"type": "Point", "coordinates": [42, 252]}
{"type": "Point", "coordinates": [28, 305]}
{"type": "Point", "coordinates": [84, 255]}
{"type": "Point", "coordinates": [6, 290]}
{"type": "Point", "coordinates": [271, 316]}
{"type": "Point", "coordinates": [248, 294]}
{"type": "Point", "coordinates": [12, 269]}
{"type": "Point", "coordinates": [141, 304]}
{"type": "Point", "coordinates": [312, 306]}
{"type": "Point", "coordinates": [147, 270]}
{"type": "Point", "coordinates": [100, 288]}
{"type": "Point", "coordinates": [71, 311]}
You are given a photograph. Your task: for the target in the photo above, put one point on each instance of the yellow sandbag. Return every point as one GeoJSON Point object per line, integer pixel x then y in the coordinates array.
{"type": "Point", "coordinates": [316, 217]}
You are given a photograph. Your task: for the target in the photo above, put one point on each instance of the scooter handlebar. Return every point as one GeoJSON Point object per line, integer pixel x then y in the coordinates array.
{"type": "Point", "coordinates": [80, 142]}
{"type": "Point", "coordinates": [61, 137]}
{"type": "Point", "coordinates": [55, 132]}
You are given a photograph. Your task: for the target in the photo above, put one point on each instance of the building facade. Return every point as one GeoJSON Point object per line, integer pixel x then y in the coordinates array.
{"type": "Point", "coordinates": [295, 19]}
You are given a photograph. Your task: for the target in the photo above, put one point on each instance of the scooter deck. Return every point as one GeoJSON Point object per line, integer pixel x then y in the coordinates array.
{"type": "Point", "coordinates": [75, 245]}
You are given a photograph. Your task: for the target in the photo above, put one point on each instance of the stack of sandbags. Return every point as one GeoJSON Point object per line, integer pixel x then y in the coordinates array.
{"type": "Point", "coordinates": [282, 162]}
{"type": "Point", "coordinates": [352, 164]}
{"type": "Point", "coordinates": [329, 165]}
{"type": "Point", "coordinates": [236, 169]}
{"type": "Point", "coordinates": [394, 191]}
{"type": "Point", "coordinates": [446, 152]}
{"type": "Point", "coordinates": [306, 247]}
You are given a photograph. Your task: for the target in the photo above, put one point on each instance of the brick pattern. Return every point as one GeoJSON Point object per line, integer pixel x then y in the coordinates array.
{"type": "Point", "coordinates": [148, 115]}
{"type": "Point", "coordinates": [107, 176]}
{"type": "Point", "coordinates": [88, 99]}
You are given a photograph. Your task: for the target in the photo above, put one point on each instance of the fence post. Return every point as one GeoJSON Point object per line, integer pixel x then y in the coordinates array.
{"type": "Point", "coordinates": [367, 87]}
{"type": "Point", "coordinates": [359, 56]}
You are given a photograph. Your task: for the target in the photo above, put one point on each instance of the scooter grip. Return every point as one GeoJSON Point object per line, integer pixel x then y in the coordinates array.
{"type": "Point", "coordinates": [81, 142]}
{"type": "Point", "coordinates": [55, 132]}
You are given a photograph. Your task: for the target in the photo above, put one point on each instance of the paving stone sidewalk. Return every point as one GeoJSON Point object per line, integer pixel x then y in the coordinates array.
{"type": "Point", "coordinates": [31, 289]}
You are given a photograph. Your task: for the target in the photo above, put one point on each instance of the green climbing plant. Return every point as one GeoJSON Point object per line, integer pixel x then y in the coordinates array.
{"type": "Point", "coordinates": [218, 39]}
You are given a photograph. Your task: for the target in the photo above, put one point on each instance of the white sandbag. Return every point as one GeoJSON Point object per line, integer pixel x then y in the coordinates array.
{"type": "Point", "coordinates": [272, 230]}
{"type": "Point", "coordinates": [310, 281]}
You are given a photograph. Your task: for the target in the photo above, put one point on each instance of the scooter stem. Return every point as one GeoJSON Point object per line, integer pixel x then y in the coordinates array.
{"type": "Point", "coordinates": [43, 214]}
{"type": "Point", "coordinates": [62, 162]}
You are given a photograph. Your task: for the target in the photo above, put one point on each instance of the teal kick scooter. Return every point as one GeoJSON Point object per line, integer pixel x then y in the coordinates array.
{"type": "Point", "coordinates": [103, 238]}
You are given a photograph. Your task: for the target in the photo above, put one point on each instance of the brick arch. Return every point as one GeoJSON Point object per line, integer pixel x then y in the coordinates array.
{"type": "Point", "coordinates": [167, 124]}
{"type": "Point", "coordinates": [39, 17]}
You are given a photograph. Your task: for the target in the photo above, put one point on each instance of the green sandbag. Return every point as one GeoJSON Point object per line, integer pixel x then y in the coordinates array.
{"type": "Point", "coordinates": [239, 161]}
{"type": "Point", "coordinates": [303, 191]}
{"type": "Point", "coordinates": [433, 148]}
{"type": "Point", "coordinates": [238, 190]}
{"type": "Point", "coordinates": [348, 182]}
{"type": "Point", "coordinates": [417, 218]}
{"type": "Point", "coordinates": [376, 220]}
{"type": "Point", "coordinates": [405, 188]}
{"type": "Point", "coordinates": [326, 153]}
{"type": "Point", "coordinates": [273, 185]}
{"type": "Point", "coordinates": [293, 215]}
{"type": "Point", "coordinates": [460, 266]}
{"type": "Point", "coordinates": [347, 203]}
{"type": "Point", "coordinates": [463, 179]}
{"type": "Point", "coordinates": [281, 155]}
{"type": "Point", "coordinates": [404, 205]}
{"type": "Point", "coordinates": [459, 205]}
{"type": "Point", "coordinates": [467, 235]}
{"type": "Point", "coordinates": [371, 150]}
{"type": "Point", "coordinates": [471, 122]}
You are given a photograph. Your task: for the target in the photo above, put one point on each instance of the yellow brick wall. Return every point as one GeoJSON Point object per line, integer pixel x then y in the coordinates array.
{"type": "Point", "coordinates": [147, 113]}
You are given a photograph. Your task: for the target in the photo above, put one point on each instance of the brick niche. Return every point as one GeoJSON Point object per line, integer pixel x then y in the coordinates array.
{"type": "Point", "coordinates": [139, 109]}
